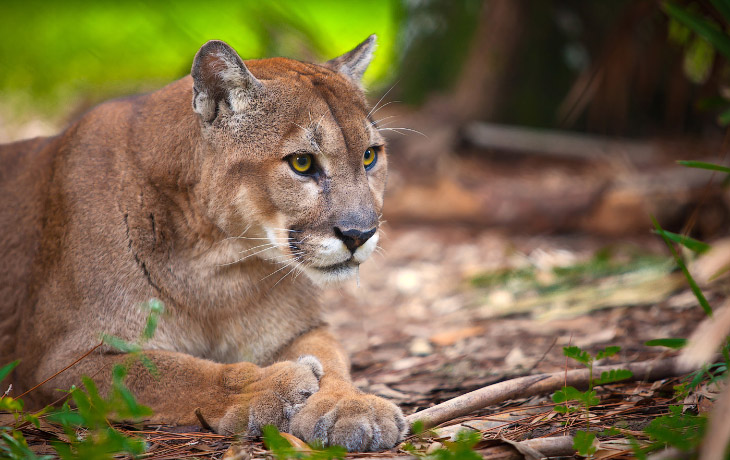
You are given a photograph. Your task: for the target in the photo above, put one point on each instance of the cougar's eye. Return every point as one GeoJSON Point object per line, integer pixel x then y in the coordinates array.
{"type": "Point", "coordinates": [301, 163]}
{"type": "Point", "coordinates": [370, 157]}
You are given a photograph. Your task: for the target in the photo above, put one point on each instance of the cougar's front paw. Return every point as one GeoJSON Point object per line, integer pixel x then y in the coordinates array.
{"type": "Point", "coordinates": [356, 421]}
{"type": "Point", "coordinates": [278, 394]}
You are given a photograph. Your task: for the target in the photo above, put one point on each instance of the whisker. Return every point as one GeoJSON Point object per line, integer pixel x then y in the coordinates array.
{"type": "Point", "coordinates": [387, 103]}
{"type": "Point", "coordinates": [250, 255]}
{"type": "Point", "coordinates": [279, 261]}
{"type": "Point", "coordinates": [279, 269]}
{"type": "Point", "coordinates": [273, 245]}
{"type": "Point", "coordinates": [239, 236]}
{"type": "Point", "coordinates": [318, 122]}
{"type": "Point", "coordinates": [375, 107]}
{"type": "Point", "coordinates": [375, 122]}
{"type": "Point", "coordinates": [397, 130]}
{"type": "Point", "coordinates": [260, 238]}
{"type": "Point", "coordinates": [285, 275]}
{"type": "Point", "coordinates": [285, 229]}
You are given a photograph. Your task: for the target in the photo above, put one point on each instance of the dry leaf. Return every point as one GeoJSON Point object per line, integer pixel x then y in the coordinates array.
{"type": "Point", "coordinates": [236, 452]}
{"type": "Point", "coordinates": [447, 338]}
{"type": "Point", "coordinates": [706, 339]}
{"type": "Point", "coordinates": [296, 443]}
{"type": "Point", "coordinates": [713, 264]}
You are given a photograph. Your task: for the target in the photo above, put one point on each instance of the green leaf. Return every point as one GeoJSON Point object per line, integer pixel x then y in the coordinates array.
{"type": "Point", "coordinates": [276, 443]}
{"type": "Point", "coordinates": [66, 418]}
{"type": "Point", "coordinates": [120, 344]}
{"type": "Point", "coordinates": [10, 405]}
{"type": "Point", "coordinates": [156, 308]}
{"type": "Point", "coordinates": [462, 448]}
{"type": "Point", "coordinates": [7, 369]}
{"type": "Point", "coordinates": [567, 394]}
{"type": "Point", "coordinates": [678, 32]}
{"type": "Point", "coordinates": [614, 375]}
{"type": "Point", "coordinates": [690, 243]}
{"type": "Point", "coordinates": [577, 354]}
{"type": "Point", "coordinates": [583, 443]}
{"type": "Point", "coordinates": [561, 409]}
{"type": "Point", "coordinates": [703, 27]}
{"type": "Point", "coordinates": [418, 427]}
{"type": "Point", "coordinates": [669, 343]}
{"type": "Point", "coordinates": [692, 284]}
{"type": "Point", "coordinates": [699, 55]}
{"type": "Point", "coordinates": [703, 165]}
{"type": "Point", "coordinates": [683, 431]}
{"type": "Point", "coordinates": [590, 399]}
{"type": "Point", "coordinates": [607, 352]}
{"type": "Point", "coordinates": [149, 365]}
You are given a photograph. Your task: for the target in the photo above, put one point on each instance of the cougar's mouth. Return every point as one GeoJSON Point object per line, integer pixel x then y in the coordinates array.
{"type": "Point", "coordinates": [346, 265]}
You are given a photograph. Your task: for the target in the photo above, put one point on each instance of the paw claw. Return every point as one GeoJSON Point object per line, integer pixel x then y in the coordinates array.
{"type": "Point", "coordinates": [280, 393]}
{"type": "Point", "coordinates": [357, 422]}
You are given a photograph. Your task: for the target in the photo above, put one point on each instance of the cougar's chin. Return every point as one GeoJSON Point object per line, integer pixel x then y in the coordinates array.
{"type": "Point", "coordinates": [332, 274]}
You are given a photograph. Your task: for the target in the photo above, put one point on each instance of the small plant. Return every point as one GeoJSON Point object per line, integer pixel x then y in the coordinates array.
{"type": "Point", "coordinates": [461, 448]}
{"type": "Point", "coordinates": [134, 349]}
{"type": "Point", "coordinates": [584, 441]}
{"type": "Point", "coordinates": [87, 425]}
{"type": "Point", "coordinates": [284, 450]}
{"type": "Point", "coordinates": [99, 440]}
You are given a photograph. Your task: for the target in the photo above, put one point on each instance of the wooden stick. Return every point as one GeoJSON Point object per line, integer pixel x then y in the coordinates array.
{"type": "Point", "coordinates": [62, 370]}
{"type": "Point", "coordinates": [562, 144]}
{"type": "Point", "coordinates": [534, 385]}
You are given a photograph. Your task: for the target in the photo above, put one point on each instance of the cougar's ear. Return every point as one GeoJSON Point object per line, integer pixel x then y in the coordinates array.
{"type": "Point", "coordinates": [354, 63]}
{"type": "Point", "coordinates": [220, 76]}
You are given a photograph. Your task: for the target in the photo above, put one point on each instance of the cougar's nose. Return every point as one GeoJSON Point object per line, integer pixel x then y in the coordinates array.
{"type": "Point", "coordinates": [353, 238]}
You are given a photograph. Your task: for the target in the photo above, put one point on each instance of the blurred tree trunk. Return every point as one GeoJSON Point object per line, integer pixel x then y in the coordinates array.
{"type": "Point", "coordinates": [499, 32]}
{"type": "Point", "coordinates": [476, 93]}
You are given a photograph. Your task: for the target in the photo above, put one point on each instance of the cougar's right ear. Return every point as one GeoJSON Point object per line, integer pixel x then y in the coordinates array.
{"type": "Point", "coordinates": [221, 77]}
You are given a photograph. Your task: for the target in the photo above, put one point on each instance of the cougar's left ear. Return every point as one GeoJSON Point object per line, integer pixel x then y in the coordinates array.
{"type": "Point", "coordinates": [354, 63]}
{"type": "Point", "coordinates": [221, 77]}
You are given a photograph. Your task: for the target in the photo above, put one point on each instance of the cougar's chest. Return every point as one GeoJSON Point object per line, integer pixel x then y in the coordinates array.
{"type": "Point", "coordinates": [254, 333]}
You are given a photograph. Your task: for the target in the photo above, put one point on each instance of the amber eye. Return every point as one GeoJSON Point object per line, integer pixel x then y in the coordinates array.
{"type": "Point", "coordinates": [370, 157]}
{"type": "Point", "coordinates": [301, 163]}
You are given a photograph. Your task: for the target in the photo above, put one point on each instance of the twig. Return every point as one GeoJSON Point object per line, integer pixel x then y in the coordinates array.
{"type": "Point", "coordinates": [62, 370]}
{"type": "Point", "coordinates": [203, 422]}
{"type": "Point", "coordinates": [534, 385]}
{"type": "Point", "coordinates": [532, 368]}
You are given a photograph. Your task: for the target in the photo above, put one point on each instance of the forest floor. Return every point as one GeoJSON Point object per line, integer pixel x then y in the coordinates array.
{"type": "Point", "coordinates": [451, 304]}
{"type": "Point", "coordinates": [445, 310]}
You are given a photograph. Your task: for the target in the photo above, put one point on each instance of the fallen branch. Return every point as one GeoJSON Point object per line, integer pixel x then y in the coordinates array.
{"type": "Point", "coordinates": [532, 385]}
{"type": "Point", "coordinates": [558, 446]}
{"type": "Point", "coordinates": [561, 144]}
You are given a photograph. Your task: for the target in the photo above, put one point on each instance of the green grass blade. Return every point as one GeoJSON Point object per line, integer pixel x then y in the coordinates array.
{"type": "Point", "coordinates": [6, 369]}
{"type": "Point", "coordinates": [669, 343]}
{"type": "Point", "coordinates": [690, 243]}
{"type": "Point", "coordinates": [692, 284]}
{"type": "Point", "coordinates": [703, 165]}
{"type": "Point", "coordinates": [701, 26]}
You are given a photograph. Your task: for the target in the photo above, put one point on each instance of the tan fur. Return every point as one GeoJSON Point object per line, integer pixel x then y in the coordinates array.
{"type": "Point", "coordinates": [148, 197]}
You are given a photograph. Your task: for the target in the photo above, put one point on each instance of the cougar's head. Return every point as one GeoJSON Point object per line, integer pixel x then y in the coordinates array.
{"type": "Point", "coordinates": [293, 166]}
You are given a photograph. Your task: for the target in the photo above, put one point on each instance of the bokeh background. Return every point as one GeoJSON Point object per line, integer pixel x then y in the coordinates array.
{"type": "Point", "coordinates": [530, 143]}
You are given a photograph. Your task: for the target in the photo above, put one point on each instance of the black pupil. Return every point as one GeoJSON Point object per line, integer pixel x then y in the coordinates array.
{"type": "Point", "coordinates": [302, 161]}
{"type": "Point", "coordinates": [368, 154]}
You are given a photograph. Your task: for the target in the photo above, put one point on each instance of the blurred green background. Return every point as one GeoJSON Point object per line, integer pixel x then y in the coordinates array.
{"type": "Point", "coordinates": [603, 66]}
{"type": "Point", "coordinates": [52, 53]}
